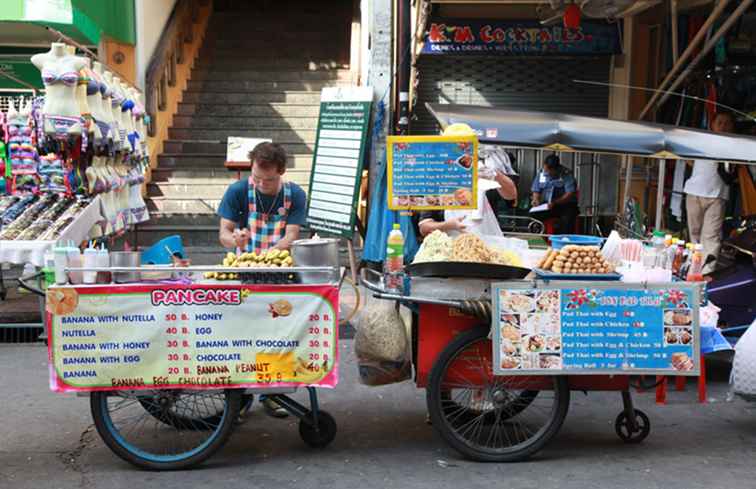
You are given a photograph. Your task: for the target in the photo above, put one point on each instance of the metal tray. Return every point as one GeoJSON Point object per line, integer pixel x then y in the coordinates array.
{"type": "Point", "coordinates": [546, 275]}
{"type": "Point", "coordinates": [451, 269]}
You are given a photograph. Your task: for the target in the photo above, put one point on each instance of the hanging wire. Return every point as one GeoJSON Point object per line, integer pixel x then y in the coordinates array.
{"type": "Point", "coordinates": [677, 94]}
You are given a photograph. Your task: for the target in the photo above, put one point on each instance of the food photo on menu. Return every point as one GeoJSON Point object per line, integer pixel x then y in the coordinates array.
{"type": "Point", "coordinates": [516, 302]}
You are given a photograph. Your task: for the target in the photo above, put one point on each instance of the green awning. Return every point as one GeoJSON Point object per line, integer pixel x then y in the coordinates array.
{"type": "Point", "coordinates": [23, 22]}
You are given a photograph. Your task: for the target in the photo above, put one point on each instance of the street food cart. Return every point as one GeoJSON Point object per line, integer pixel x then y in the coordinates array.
{"type": "Point", "coordinates": [499, 350]}
{"type": "Point", "coordinates": [170, 357]}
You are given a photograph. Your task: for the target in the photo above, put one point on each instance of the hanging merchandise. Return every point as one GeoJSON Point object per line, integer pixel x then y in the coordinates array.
{"type": "Point", "coordinates": [21, 150]}
{"type": "Point", "coordinates": [52, 174]}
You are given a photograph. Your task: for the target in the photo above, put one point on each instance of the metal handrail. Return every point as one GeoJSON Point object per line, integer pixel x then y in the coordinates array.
{"type": "Point", "coordinates": [161, 71]}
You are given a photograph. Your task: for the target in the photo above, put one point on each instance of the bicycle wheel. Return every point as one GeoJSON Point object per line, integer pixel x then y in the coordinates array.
{"type": "Point", "coordinates": [492, 418]}
{"type": "Point", "coordinates": [159, 437]}
{"type": "Point", "coordinates": [171, 414]}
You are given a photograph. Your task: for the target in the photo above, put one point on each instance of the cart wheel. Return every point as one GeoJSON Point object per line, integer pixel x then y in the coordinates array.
{"type": "Point", "coordinates": [321, 437]}
{"type": "Point", "coordinates": [157, 437]}
{"type": "Point", "coordinates": [535, 227]}
{"type": "Point", "coordinates": [489, 418]}
{"type": "Point", "coordinates": [514, 406]}
{"type": "Point", "coordinates": [175, 416]}
{"type": "Point", "coordinates": [626, 434]}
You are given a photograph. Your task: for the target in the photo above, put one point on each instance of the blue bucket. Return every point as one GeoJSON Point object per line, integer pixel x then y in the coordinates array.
{"type": "Point", "coordinates": [162, 252]}
{"type": "Point", "coordinates": [560, 241]}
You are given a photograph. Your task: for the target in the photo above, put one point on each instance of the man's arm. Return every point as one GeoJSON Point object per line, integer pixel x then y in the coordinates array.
{"type": "Point", "coordinates": [291, 235]}
{"type": "Point", "coordinates": [230, 237]}
{"type": "Point", "coordinates": [507, 189]}
{"type": "Point", "coordinates": [564, 199]}
{"type": "Point", "coordinates": [427, 226]}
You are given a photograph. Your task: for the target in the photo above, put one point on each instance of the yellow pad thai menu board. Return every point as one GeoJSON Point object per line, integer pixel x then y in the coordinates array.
{"type": "Point", "coordinates": [192, 336]}
{"type": "Point", "coordinates": [432, 172]}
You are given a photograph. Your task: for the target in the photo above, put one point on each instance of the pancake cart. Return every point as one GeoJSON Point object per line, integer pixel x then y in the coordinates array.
{"type": "Point", "coordinates": [498, 355]}
{"type": "Point", "coordinates": [170, 360]}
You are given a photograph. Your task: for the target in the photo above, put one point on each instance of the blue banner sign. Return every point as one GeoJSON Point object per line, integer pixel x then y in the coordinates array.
{"type": "Point", "coordinates": [585, 328]}
{"type": "Point", "coordinates": [447, 36]}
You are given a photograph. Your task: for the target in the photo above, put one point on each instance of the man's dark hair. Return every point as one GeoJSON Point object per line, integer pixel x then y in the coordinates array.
{"type": "Point", "coordinates": [552, 161]}
{"type": "Point", "coordinates": [269, 155]}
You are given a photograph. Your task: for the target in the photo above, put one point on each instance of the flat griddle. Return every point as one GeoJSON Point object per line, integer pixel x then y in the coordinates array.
{"type": "Point", "coordinates": [453, 269]}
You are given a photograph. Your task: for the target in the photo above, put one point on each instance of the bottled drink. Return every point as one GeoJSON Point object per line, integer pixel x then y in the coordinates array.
{"type": "Point", "coordinates": [677, 262]}
{"type": "Point", "coordinates": [393, 268]}
{"type": "Point", "coordinates": [657, 241]}
{"type": "Point", "coordinates": [695, 273]}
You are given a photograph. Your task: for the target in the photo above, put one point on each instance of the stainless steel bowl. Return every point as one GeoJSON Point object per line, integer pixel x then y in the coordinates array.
{"type": "Point", "coordinates": [320, 252]}
{"type": "Point", "coordinates": [125, 259]}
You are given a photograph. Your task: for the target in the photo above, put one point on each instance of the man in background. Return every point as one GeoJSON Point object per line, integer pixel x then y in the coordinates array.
{"type": "Point", "coordinates": [706, 193]}
{"type": "Point", "coordinates": [557, 189]}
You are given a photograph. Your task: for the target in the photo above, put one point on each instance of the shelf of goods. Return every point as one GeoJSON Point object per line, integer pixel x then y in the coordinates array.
{"type": "Point", "coordinates": [30, 225]}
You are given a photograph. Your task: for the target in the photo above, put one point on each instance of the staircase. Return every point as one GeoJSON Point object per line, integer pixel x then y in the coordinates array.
{"type": "Point", "coordinates": [258, 74]}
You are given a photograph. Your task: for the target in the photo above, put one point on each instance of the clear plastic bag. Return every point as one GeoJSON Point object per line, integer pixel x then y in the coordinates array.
{"type": "Point", "coordinates": [381, 344]}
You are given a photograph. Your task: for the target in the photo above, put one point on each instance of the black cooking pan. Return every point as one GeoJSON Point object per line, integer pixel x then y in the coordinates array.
{"type": "Point", "coordinates": [454, 269]}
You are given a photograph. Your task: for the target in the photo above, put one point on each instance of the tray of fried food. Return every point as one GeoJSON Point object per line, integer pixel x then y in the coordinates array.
{"type": "Point", "coordinates": [575, 262]}
{"type": "Point", "coordinates": [268, 259]}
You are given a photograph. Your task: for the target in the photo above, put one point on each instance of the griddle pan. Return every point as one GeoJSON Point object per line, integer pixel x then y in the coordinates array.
{"type": "Point", "coordinates": [453, 269]}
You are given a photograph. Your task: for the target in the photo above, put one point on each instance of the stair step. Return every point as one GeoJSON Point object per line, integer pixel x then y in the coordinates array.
{"type": "Point", "coordinates": [250, 38]}
{"type": "Point", "coordinates": [186, 206]}
{"type": "Point", "coordinates": [267, 63]}
{"type": "Point", "coordinates": [188, 162]}
{"type": "Point", "coordinates": [250, 110]}
{"type": "Point", "coordinates": [291, 97]}
{"type": "Point", "coordinates": [263, 86]}
{"type": "Point", "coordinates": [193, 175]}
{"type": "Point", "coordinates": [301, 136]}
{"type": "Point", "coordinates": [200, 188]}
{"type": "Point", "coordinates": [232, 121]}
{"type": "Point", "coordinates": [235, 73]}
{"type": "Point", "coordinates": [219, 146]}
{"type": "Point", "coordinates": [164, 221]}
{"type": "Point", "coordinates": [208, 190]}
{"type": "Point", "coordinates": [315, 51]}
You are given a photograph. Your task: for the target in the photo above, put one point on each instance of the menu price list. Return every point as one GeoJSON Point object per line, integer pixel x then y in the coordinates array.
{"type": "Point", "coordinates": [596, 329]}
{"type": "Point", "coordinates": [174, 345]}
{"type": "Point", "coordinates": [431, 174]}
{"type": "Point", "coordinates": [338, 161]}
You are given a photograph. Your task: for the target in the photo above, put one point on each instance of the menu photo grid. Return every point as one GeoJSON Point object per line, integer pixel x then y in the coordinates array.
{"type": "Point", "coordinates": [530, 330]}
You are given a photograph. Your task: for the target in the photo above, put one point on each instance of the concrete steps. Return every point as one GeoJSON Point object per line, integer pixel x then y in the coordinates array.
{"type": "Point", "coordinates": [283, 111]}
{"type": "Point", "coordinates": [263, 86]}
{"type": "Point", "coordinates": [259, 74]}
{"type": "Point", "coordinates": [283, 136]}
{"type": "Point", "coordinates": [225, 97]}
{"type": "Point", "coordinates": [232, 121]}
{"type": "Point", "coordinates": [201, 161]}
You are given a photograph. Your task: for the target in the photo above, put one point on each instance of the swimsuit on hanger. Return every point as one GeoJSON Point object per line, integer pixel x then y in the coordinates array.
{"type": "Point", "coordinates": [61, 124]}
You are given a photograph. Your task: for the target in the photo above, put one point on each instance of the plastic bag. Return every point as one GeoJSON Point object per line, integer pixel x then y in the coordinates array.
{"type": "Point", "coordinates": [743, 377]}
{"type": "Point", "coordinates": [381, 344]}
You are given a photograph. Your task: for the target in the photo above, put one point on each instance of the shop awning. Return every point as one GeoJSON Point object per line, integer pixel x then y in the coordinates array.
{"type": "Point", "coordinates": [564, 132]}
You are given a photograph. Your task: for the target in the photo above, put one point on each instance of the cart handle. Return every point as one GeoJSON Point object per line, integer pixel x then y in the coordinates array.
{"type": "Point", "coordinates": [381, 293]}
{"type": "Point", "coordinates": [22, 282]}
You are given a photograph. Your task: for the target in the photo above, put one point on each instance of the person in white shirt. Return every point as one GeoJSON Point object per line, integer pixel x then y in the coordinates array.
{"type": "Point", "coordinates": [707, 191]}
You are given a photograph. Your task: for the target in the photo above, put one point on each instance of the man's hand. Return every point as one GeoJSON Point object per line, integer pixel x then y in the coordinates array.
{"type": "Point", "coordinates": [455, 224]}
{"type": "Point", "coordinates": [550, 205]}
{"type": "Point", "coordinates": [241, 238]}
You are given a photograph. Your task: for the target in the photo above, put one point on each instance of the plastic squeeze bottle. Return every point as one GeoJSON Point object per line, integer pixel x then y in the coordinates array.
{"type": "Point", "coordinates": [393, 269]}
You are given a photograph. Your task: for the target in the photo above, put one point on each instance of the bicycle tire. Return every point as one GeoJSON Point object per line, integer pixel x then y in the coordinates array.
{"type": "Point", "coordinates": [144, 458]}
{"type": "Point", "coordinates": [449, 432]}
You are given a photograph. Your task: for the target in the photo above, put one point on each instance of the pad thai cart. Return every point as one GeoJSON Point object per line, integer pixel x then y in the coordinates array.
{"type": "Point", "coordinates": [499, 355]}
{"type": "Point", "coordinates": [169, 364]}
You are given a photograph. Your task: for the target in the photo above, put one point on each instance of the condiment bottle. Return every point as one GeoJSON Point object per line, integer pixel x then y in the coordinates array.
{"type": "Point", "coordinates": [61, 262]}
{"type": "Point", "coordinates": [90, 261]}
{"type": "Point", "coordinates": [103, 262]}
